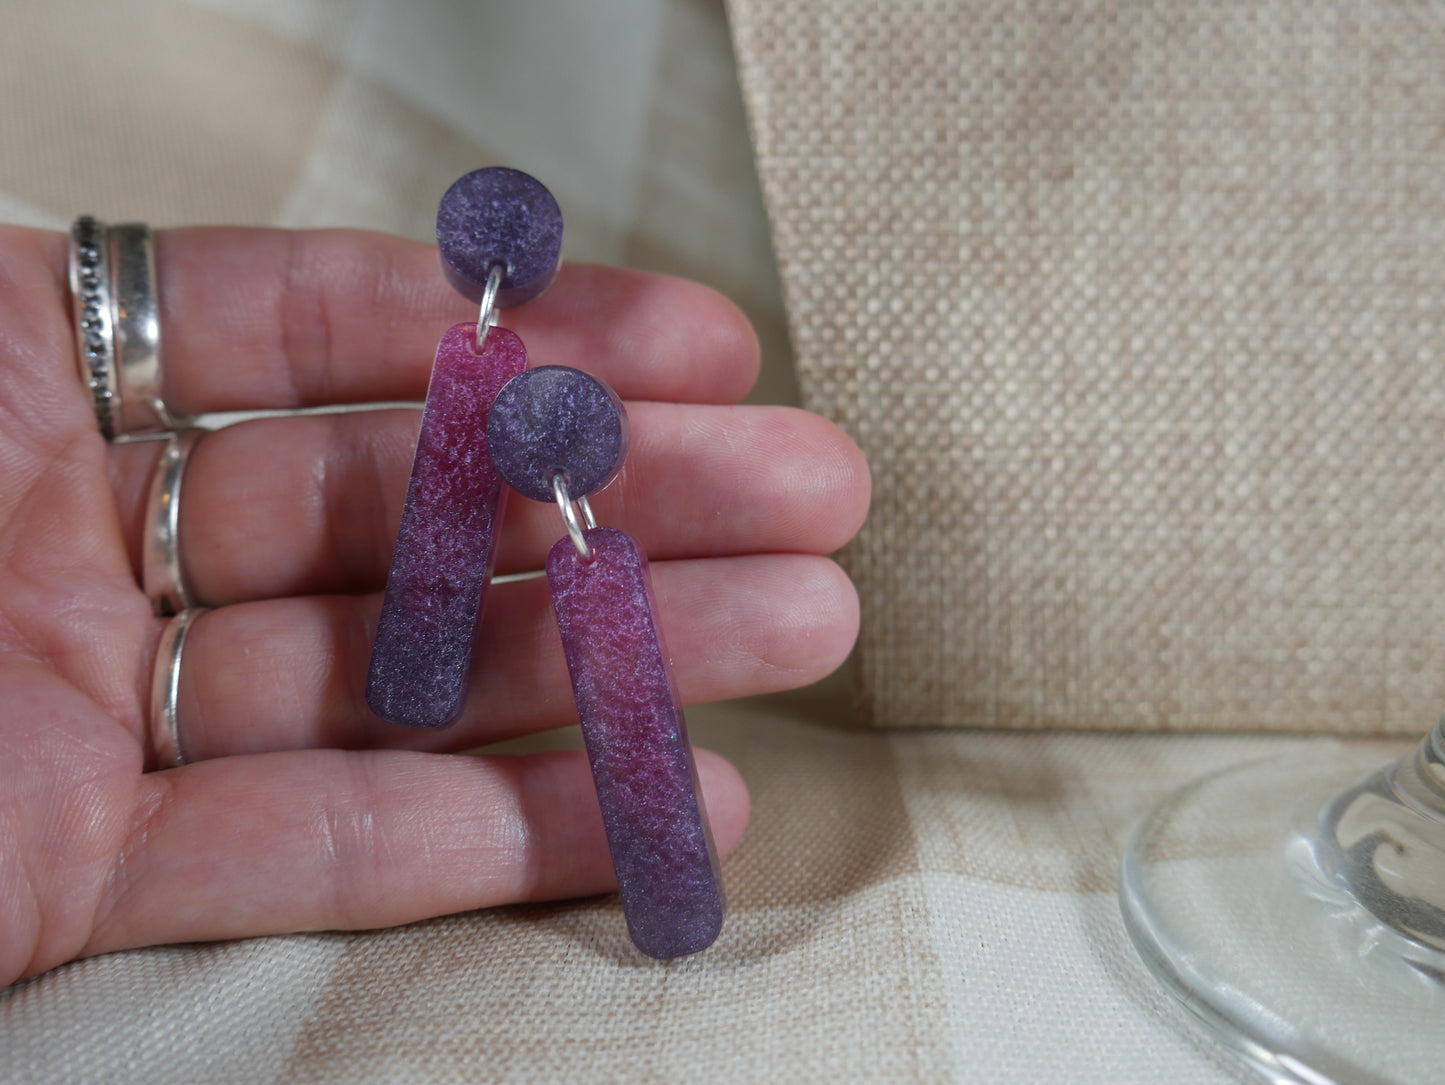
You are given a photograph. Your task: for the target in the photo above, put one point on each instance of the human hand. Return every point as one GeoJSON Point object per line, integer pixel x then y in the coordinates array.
{"type": "Point", "coordinates": [299, 809]}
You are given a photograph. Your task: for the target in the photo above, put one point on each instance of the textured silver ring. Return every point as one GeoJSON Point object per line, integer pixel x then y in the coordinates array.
{"type": "Point", "coordinates": [117, 325]}
{"type": "Point", "coordinates": [166, 690]}
{"type": "Point", "coordinates": [161, 574]}
{"type": "Point", "coordinates": [93, 306]}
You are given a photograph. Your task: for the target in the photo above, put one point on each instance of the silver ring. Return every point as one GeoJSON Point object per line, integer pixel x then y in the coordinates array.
{"type": "Point", "coordinates": [161, 574]}
{"type": "Point", "coordinates": [117, 325]}
{"type": "Point", "coordinates": [487, 318]}
{"type": "Point", "coordinates": [569, 516]}
{"type": "Point", "coordinates": [93, 305]}
{"type": "Point", "coordinates": [131, 252]}
{"type": "Point", "coordinates": [166, 690]}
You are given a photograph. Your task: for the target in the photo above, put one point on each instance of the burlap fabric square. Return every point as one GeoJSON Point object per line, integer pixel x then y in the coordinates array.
{"type": "Point", "coordinates": [1136, 309]}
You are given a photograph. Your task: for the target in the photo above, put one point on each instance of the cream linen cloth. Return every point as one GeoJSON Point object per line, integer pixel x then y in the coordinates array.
{"type": "Point", "coordinates": [906, 906]}
{"type": "Point", "coordinates": [922, 907]}
{"type": "Point", "coordinates": [1136, 308]}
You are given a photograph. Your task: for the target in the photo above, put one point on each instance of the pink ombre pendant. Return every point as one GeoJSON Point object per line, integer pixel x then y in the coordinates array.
{"type": "Point", "coordinates": [445, 546]}
{"type": "Point", "coordinates": [642, 763]}
{"type": "Point", "coordinates": [499, 236]}
{"type": "Point", "coordinates": [558, 433]}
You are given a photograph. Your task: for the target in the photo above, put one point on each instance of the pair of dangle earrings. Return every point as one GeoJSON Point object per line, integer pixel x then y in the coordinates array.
{"type": "Point", "coordinates": [556, 435]}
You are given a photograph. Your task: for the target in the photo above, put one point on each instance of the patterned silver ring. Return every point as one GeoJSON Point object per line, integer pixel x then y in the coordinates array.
{"type": "Point", "coordinates": [165, 729]}
{"type": "Point", "coordinates": [92, 304]}
{"type": "Point", "coordinates": [117, 325]}
{"type": "Point", "coordinates": [161, 574]}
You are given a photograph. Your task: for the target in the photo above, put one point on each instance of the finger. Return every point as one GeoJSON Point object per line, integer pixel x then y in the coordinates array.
{"type": "Point", "coordinates": [256, 318]}
{"type": "Point", "coordinates": [326, 840]}
{"type": "Point", "coordinates": [290, 673]}
{"type": "Point", "coordinates": [44, 404]}
{"type": "Point", "coordinates": [310, 505]}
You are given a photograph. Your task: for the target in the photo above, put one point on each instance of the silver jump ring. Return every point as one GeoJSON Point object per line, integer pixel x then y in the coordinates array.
{"type": "Point", "coordinates": [165, 727]}
{"type": "Point", "coordinates": [487, 318]}
{"type": "Point", "coordinates": [569, 516]}
{"type": "Point", "coordinates": [161, 574]}
{"type": "Point", "coordinates": [117, 325]}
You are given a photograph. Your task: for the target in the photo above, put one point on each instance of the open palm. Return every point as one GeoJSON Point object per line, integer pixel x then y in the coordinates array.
{"type": "Point", "coordinates": [299, 810]}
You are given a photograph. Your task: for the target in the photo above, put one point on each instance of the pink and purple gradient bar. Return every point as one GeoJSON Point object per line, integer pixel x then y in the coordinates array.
{"type": "Point", "coordinates": [444, 548]}
{"type": "Point", "coordinates": [642, 763]}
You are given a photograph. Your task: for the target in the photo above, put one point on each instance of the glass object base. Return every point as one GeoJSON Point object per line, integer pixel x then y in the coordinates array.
{"type": "Point", "coordinates": [1292, 904]}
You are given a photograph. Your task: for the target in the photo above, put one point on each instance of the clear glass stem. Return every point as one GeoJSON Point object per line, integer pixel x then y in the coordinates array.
{"type": "Point", "coordinates": [1297, 906]}
{"type": "Point", "coordinates": [1381, 842]}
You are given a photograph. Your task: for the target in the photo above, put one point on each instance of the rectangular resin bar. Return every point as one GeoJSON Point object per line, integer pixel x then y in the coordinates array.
{"type": "Point", "coordinates": [642, 763]}
{"type": "Point", "coordinates": [445, 546]}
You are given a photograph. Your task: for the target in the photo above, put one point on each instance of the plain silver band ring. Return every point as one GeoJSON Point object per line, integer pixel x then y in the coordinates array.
{"type": "Point", "coordinates": [166, 690]}
{"type": "Point", "coordinates": [131, 253]}
{"type": "Point", "coordinates": [161, 574]}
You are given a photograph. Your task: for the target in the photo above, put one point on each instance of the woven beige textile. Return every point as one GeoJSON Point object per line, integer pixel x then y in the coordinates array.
{"type": "Point", "coordinates": [1136, 309]}
{"type": "Point", "coordinates": [906, 907]}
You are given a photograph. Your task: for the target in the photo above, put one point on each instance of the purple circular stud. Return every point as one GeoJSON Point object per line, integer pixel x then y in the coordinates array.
{"type": "Point", "coordinates": [553, 420]}
{"type": "Point", "coordinates": [499, 216]}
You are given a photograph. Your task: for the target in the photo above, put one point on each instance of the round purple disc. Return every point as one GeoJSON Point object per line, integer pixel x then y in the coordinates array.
{"type": "Point", "coordinates": [553, 420]}
{"type": "Point", "coordinates": [499, 216]}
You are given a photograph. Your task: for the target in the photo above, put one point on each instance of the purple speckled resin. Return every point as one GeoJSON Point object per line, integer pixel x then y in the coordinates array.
{"type": "Point", "coordinates": [443, 556]}
{"type": "Point", "coordinates": [667, 868]}
{"type": "Point", "coordinates": [499, 216]}
{"type": "Point", "coordinates": [556, 420]}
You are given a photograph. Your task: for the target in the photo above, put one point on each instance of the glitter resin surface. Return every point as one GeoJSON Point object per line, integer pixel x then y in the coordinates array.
{"type": "Point", "coordinates": [556, 420]}
{"type": "Point", "coordinates": [444, 548]}
{"type": "Point", "coordinates": [499, 216]}
{"type": "Point", "coordinates": [642, 763]}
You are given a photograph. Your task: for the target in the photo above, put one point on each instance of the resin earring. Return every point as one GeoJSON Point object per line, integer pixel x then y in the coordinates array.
{"type": "Point", "coordinates": [558, 435]}
{"type": "Point", "coordinates": [499, 234]}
